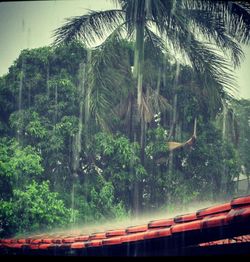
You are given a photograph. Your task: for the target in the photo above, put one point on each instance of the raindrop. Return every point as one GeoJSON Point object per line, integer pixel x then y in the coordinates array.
{"type": "Point", "coordinates": [23, 25]}
{"type": "Point", "coordinates": [224, 119]}
{"type": "Point", "coordinates": [20, 97]}
{"type": "Point", "coordinates": [47, 79]}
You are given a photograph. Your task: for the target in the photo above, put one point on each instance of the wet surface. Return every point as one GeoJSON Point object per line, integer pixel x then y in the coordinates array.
{"type": "Point", "coordinates": [207, 231]}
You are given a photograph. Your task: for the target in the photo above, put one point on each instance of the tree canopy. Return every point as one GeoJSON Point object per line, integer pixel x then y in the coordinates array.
{"type": "Point", "coordinates": [84, 132]}
{"type": "Point", "coordinates": [59, 165]}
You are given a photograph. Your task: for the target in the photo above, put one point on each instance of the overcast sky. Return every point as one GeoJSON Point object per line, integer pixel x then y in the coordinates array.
{"type": "Point", "coordinates": [29, 24]}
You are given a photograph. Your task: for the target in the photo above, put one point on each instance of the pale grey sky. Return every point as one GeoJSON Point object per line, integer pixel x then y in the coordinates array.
{"type": "Point", "coordinates": [29, 24]}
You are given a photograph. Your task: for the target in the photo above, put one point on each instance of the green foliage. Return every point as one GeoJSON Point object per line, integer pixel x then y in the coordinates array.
{"type": "Point", "coordinates": [7, 218]}
{"type": "Point", "coordinates": [118, 146]}
{"type": "Point", "coordinates": [35, 208]}
{"type": "Point", "coordinates": [29, 123]}
{"type": "Point", "coordinates": [103, 203]}
{"type": "Point", "coordinates": [77, 127]}
{"type": "Point", "coordinates": [18, 164]}
{"type": "Point", "coordinates": [202, 168]}
{"type": "Point", "coordinates": [122, 154]}
{"type": "Point", "coordinates": [119, 162]}
{"type": "Point", "coordinates": [95, 200]}
{"type": "Point", "coordinates": [157, 142]}
{"type": "Point", "coordinates": [242, 110]}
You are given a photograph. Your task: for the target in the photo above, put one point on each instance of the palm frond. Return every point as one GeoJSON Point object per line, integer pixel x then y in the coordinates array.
{"type": "Point", "coordinates": [158, 102]}
{"type": "Point", "coordinates": [156, 42]}
{"type": "Point", "coordinates": [215, 29]}
{"type": "Point", "coordinates": [213, 69]}
{"type": "Point", "coordinates": [107, 73]}
{"type": "Point", "coordinates": [240, 24]}
{"type": "Point", "coordinates": [146, 110]}
{"type": "Point", "coordinates": [152, 103]}
{"type": "Point", "coordinates": [236, 13]}
{"type": "Point", "coordinates": [114, 38]}
{"type": "Point", "coordinates": [93, 26]}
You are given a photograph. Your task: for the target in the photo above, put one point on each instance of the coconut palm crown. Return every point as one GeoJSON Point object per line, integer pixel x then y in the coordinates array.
{"type": "Point", "coordinates": [190, 27]}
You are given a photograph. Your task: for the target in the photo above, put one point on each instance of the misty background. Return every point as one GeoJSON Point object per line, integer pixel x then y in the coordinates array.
{"type": "Point", "coordinates": [30, 24]}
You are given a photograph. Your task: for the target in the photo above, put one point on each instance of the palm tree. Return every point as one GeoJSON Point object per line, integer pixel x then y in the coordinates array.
{"type": "Point", "coordinates": [109, 68]}
{"type": "Point", "coordinates": [184, 25]}
{"type": "Point", "coordinates": [196, 29]}
{"type": "Point", "coordinates": [169, 22]}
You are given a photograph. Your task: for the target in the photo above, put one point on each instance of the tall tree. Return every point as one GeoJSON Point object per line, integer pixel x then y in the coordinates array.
{"type": "Point", "coordinates": [193, 28]}
{"type": "Point", "coordinates": [182, 24]}
{"type": "Point", "coordinates": [185, 26]}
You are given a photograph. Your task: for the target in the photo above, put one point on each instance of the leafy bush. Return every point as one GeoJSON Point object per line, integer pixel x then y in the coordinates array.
{"type": "Point", "coordinates": [103, 203]}
{"type": "Point", "coordinates": [119, 162]}
{"type": "Point", "coordinates": [35, 208]}
{"type": "Point", "coordinates": [97, 202]}
{"type": "Point", "coordinates": [18, 165]}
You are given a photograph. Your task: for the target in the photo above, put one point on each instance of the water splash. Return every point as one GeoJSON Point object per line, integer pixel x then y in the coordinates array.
{"type": "Point", "coordinates": [28, 37]}
{"type": "Point", "coordinates": [23, 25]}
{"type": "Point", "coordinates": [56, 104]}
{"type": "Point", "coordinates": [20, 97]}
{"type": "Point", "coordinates": [73, 217]}
{"type": "Point", "coordinates": [77, 139]}
{"type": "Point", "coordinates": [224, 120]}
{"type": "Point", "coordinates": [173, 122]}
{"type": "Point", "coordinates": [87, 99]}
{"type": "Point", "coordinates": [47, 79]}
{"type": "Point", "coordinates": [174, 114]}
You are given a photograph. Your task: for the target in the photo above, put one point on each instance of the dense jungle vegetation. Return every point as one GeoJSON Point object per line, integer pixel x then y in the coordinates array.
{"type": "Point", "coordinates": [58, 140]}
